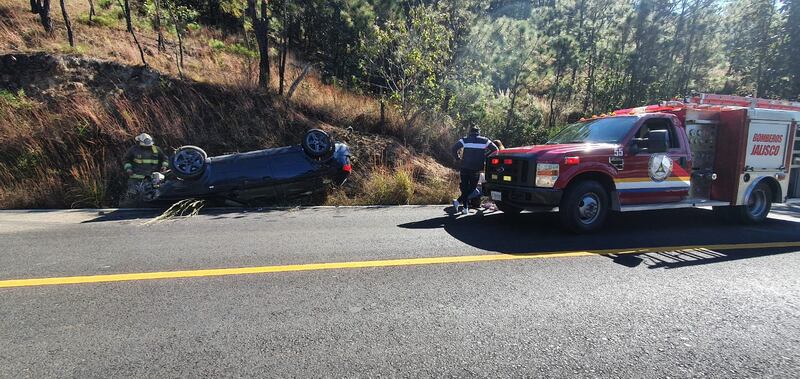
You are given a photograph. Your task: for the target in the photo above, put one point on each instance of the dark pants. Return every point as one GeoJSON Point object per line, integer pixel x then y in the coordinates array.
{"type": "Point", "coordinates": [469, 182]}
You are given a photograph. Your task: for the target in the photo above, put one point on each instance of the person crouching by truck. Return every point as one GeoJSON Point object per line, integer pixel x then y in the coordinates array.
{"type": "Point", "coordinates": [140, 162]}
{"type": "Point", "coordinates": [474, 148]}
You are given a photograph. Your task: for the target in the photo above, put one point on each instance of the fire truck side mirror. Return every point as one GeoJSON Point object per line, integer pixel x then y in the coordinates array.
{"type": "Point", "coordinates": [657, 141]}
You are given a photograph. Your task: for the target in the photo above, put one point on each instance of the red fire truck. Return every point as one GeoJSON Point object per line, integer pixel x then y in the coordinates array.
{"type": "Point", "coordinates": [735, 154]}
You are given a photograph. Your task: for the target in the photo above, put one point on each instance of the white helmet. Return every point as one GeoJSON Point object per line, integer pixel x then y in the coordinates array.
{"type": "Point", "coordinates": [144, 139]}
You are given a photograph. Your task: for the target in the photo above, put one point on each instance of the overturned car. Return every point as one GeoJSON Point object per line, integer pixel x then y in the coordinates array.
{"type": "Point", "coordinates": [253, 177]}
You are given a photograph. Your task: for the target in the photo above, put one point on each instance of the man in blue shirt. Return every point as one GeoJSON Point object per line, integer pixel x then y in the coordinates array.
{"type": "Point", "coordinates": [474, 150]}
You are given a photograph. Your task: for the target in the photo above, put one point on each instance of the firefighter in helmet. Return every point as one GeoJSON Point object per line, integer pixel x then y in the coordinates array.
{"type": "Point", "coordinates": [141, 161]}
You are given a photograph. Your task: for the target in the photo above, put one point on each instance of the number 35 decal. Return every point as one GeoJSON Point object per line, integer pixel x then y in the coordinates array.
{"type": "Point", "coordinates": [618, 152]}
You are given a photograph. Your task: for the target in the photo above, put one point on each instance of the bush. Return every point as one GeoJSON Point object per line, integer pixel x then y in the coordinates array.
{"type": "Point", "coordinates": [237, 49]}
{"type": "Point", "coordinates": [97, 20]}
{"type": "Point", "coordinates": [385, 187]}
{"type": "Point", "coordinates": [399, 186]}
{"type": "Point", "coordinates": [241, 50]}
{"type": "Point", "coordinates": [216, 44]}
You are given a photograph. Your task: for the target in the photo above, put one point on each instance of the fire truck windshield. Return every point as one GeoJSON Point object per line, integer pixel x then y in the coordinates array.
{"type": "Point", "coordinates": [603, 130]}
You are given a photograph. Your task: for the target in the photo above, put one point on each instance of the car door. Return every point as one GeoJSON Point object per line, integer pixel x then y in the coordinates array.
{"type": "Point", "coordinates": [655, 177]}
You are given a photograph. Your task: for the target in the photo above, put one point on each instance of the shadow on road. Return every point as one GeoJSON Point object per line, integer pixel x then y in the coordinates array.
{"type": "Point", "coordinates": [541, 232]}
{"type": "Point", "coordinates": [214, 213]}
{"type": "Point", "coordinates": [693, 257]}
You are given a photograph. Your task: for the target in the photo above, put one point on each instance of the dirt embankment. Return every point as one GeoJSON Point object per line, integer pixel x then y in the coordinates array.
{"type": "Point", "coordinates": [65, 122]}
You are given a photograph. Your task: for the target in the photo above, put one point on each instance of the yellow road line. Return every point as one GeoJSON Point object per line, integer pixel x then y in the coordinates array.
{"type": "Point", "coordinates": [372, 263]}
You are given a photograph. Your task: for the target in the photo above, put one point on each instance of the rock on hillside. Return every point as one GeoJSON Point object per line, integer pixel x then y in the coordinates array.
{"type": "Point", "coordinates": [42, 74]}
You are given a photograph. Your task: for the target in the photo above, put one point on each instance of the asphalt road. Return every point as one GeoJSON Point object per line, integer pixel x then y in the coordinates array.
{"type": "Point", "coordinates": [714, 309]}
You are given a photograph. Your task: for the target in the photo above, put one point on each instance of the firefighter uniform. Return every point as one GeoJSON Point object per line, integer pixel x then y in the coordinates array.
{"type": "Point", "coordinates": [142, 161]}
{"type": "Point", "coordinates": [475, 149]}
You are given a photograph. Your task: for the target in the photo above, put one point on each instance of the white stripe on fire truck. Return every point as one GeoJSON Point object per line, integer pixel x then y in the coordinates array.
{"type": "Point", "coordinates": [644, 184]}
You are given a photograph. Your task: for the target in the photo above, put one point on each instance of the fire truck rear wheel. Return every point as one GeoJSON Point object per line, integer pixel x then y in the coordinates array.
{"type": "Point", "coordinates": [757, 206]}
{"type": "Point", "coordinates": [584, 207]}
{"type": "Point", "coordinates": [507, 208]}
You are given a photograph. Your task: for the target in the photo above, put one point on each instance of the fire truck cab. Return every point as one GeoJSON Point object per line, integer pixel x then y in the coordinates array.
{"type": "Point", "coordinates": [735, 154]}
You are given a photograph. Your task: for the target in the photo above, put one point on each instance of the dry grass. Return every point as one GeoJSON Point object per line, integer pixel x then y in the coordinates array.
{"type": "Point", "coordinates": [402, 185]}
{"type": "Point", "coordinates": [183, 209]}
{"type": "Point", "coordinates": [89, 187]}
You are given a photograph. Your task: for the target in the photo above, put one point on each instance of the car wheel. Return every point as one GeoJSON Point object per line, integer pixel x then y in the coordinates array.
{"type": "Point", "coordinates": [584, 207]}
{"type": "Point", "coordinates": [317, 143]}
{"type": "Point", "coordinates": [757, 206]}
{"type": "Point", "coordinates": [507, 208]}
{"type": "Point", "coordinates": [188, 162]}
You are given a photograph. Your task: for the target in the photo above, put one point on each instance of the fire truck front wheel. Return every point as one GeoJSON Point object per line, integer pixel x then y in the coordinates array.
{"type": "Point", "coordinates": [584, 207]}
{"type": "Point", "coordinates": [757, 205]}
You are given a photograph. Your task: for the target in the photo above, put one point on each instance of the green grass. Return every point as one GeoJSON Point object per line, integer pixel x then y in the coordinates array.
{"type": "Point", "coordinates": [105, 4]}
{"type": "Point", "coordinates": [15, 100]}
{"type": "Point", "coordinates": [216, 44]}
{"type": "Point", "coordinates": [98, 20]}
{"type": "Point", "coordinates": [236, 48]}
{"type": "Point", "coordinates": [78, 49]}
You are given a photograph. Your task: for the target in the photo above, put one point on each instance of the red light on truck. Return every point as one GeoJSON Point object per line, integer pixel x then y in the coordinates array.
{"type": "Point", "coordinates": [495, 161]}
{"type": "Point", "coordinates": [507, 161]}
{"type": "Point", "coordinates": [572, 160]}
{"type": "Point", "coordinates": [347, 168]}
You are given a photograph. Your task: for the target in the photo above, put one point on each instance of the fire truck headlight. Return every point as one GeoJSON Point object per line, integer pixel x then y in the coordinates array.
{"type": "Point", "coordinates": [546, 174]}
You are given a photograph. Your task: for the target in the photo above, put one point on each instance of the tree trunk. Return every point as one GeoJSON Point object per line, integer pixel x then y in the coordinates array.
{"type": "Point", "coordinates": [383, 112]}
{"type": "Point", "coordinates": [282, 67]}
{"type": "Point", "coordinates": [44, 15]}
{"type": "Point", "coordinates": [91, 11]}
{"type": "Point", "coordinates": [261, 29]}
{"type": "Point", "coordinates": [299, 79]}
{"type": "Point", "coordinates": [249, 48]}
{"type": "Point", "coordinates": [157, 25]}
{"type": "Point", "coordinates": [284, 50]}
{"type": "Point", "coordinates": [127, 8]}
{"type": "Point", "coordinates": [589, 95]}
{"type": "Point", "coordinates": [551, 119]}
{"type": "Point", "coordinates": [178, 34]}
{"type": "Point", "coordinates": [67, 24]}
{"type": "Point", "coordinates": [513, 94]}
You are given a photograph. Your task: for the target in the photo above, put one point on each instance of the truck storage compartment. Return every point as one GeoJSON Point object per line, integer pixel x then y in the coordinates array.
{"type": "Point", "coordinates": [728, 164]}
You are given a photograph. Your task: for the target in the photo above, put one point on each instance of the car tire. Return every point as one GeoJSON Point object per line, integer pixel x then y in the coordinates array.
{"type": "Point", "coordinates": [317, 144]}
{"type": "Point", "coordinates": [188, 162]}
{"type": "Point", "coordinates": [759, 203]}
{"type": "Point", "coordinates": [507, 208]}
{"type": "Point", "coordinates": [584, 207]}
